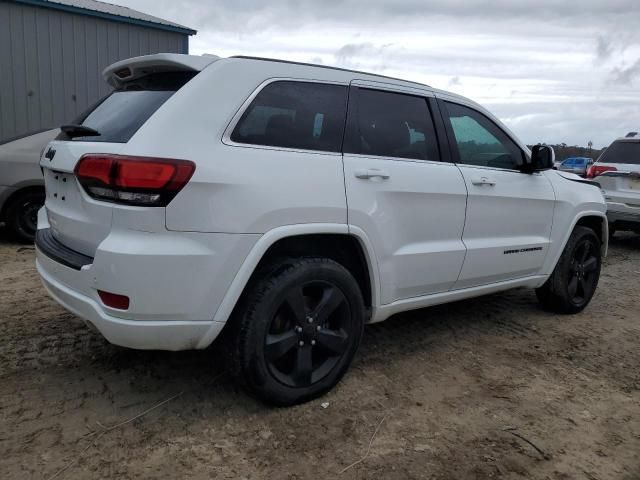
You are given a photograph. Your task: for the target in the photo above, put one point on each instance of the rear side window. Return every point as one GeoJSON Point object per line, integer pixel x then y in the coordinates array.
{"type": "Point", "coordinates": [622, 152]}
{"type": "Point", "coordinates": [119, 115]}
{"type": "Point", "coordinates": [301, 115]}
{"type": "Point", "coordinates": [390, 124]}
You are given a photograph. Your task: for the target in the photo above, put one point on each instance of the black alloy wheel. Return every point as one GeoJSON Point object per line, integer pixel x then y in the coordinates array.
{"type": "Point", "coordinates": [574, 280]}
{"type": "Point", "coordinates": [296, 330]}
{"type": "Point", "coordinates": [308, 334]}
{"type": "Point", "coordinates": [583, 272]}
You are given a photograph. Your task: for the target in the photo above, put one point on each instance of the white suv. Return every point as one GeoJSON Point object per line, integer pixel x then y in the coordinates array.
{"type": "Point", "coordinates": [618, 173]}
{"type": "Point", "coordinates": [286, 205]}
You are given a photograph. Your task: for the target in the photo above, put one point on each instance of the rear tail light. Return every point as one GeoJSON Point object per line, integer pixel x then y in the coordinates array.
{"type": "Point", "coordinates": [595, 170]}
{"type": "Point", "coordinates": [113, 300]}
{"type": "Point", "coordinates": [141, 181]}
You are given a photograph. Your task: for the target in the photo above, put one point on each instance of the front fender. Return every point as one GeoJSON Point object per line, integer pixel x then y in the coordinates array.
{"type": "Point", "coordinates": [560, 241]}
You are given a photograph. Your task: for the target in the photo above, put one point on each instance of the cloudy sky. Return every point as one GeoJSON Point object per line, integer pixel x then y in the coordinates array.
{"type": "Point", "coordinates": [552, 70]}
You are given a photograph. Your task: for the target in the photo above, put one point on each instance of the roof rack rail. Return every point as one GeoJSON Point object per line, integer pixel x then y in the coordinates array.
{"type": "Point", "coordinates": [248, 57]}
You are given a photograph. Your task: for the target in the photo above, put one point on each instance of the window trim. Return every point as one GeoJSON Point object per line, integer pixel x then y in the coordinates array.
{"type": "Point", "coordinates": [453, 146]}
{"type": "Point", "coordinates": [226, 136]}
{"type": "Point", "coordinates": [432, 109]}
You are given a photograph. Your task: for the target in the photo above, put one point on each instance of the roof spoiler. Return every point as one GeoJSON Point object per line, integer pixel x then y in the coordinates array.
{"type": "Point", "coordinates": [631, 135]}
{"type": "Point", "coordinates": [136, 67]}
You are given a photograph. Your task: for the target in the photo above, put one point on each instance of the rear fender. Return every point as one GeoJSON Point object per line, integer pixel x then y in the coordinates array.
{"type": "Point", "coordinates": [241, 279]}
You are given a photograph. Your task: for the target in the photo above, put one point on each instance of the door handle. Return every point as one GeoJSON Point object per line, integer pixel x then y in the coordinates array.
{"type": "Point", "coordinates": [484, 181]}
{"type": "Point", "coordinates": [371, 173]}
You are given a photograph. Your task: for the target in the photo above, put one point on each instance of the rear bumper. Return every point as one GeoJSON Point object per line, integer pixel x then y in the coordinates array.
{"type": "Point", "coordinates": [621, 212]}
{"type": "Point", "coordinates": [144, 335]}
{"type": "Point", "coordinates": [175, 281]}
{"type": "Point", "coordinates": [52, 248]}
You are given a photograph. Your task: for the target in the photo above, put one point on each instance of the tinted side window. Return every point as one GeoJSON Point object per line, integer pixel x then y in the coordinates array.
{"type": "Point", "coordinates": [392, 125]}
{"type": "Point", "coordinates": [480, 142]}
{"type": "Point", "coordinates": [622, 152]}
{"type": "Point", "coordinates": [119, 115]}
{"type": "Point", "coordinates": [301, 115]}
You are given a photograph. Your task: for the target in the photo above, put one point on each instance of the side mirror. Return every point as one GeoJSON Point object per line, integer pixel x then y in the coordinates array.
{"type": "Point", "coordinates": [542, 158]}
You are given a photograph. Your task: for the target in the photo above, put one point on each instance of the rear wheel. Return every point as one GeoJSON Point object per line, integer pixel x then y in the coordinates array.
{"type": "Point", "coordinates": [22, 215]}
{"type": "Point", "coordinates": [297, 330]}
{"type": "Point", "coordinates": [573, 282]}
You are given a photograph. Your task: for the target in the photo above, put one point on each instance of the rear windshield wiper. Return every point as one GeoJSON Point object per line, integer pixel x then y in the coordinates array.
{"type": "Point", "coordinates": [73, 131]}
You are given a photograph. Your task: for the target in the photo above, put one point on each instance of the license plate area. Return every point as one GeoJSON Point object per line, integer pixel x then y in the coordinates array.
{"type": "Point", "coordinates": [634, 182]}
{"type": "Point", "coordinates": [61, 188]}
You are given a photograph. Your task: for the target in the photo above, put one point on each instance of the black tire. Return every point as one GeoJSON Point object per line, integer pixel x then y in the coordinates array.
{"type": "Point", "coordinates": [22, 214]}
{"type": "Point", "coordinates": [573, 282]}
{"type": "Point", "coordinates": [275, 351]}
{"type": "Point", "coordinates": [612, 230]}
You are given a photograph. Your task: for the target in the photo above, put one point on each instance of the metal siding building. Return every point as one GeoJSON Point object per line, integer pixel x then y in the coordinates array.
{"type": "Point", "coordinates": [52, 54]}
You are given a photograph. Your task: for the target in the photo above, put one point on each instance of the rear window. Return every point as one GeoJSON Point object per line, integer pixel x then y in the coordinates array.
{"type": "Point", "coordinates": [301, 115]}
{"type": "Point", "coordinates": [119, 115]}
{"type": "Point", "coordinates": [622, 152]}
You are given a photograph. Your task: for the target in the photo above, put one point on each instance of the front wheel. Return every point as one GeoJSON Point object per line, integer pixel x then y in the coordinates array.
{"type": "Point", "coordinates": [573, 282]}
{"type": "Point", "coordinates": [296, 330]}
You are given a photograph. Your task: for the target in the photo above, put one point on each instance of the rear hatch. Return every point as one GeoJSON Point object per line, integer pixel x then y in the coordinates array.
{"type": "Point", "coordinates": [623, 155]}
{"type": "Point", "coordinates": [77, 220]}
{"type": "Point", "coordinates": [618, 172]}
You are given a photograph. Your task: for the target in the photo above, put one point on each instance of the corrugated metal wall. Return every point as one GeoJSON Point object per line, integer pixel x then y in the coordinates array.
{"type": "Point", "coordinates": [51, 62]}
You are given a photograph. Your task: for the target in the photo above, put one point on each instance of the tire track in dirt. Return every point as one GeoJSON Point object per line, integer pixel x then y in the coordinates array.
{"type": "Point", "coordinates": [449, 379]}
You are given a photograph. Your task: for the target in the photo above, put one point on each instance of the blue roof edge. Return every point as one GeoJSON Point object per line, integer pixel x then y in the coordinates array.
{"type": "Point", "coordinates": [107, 16]}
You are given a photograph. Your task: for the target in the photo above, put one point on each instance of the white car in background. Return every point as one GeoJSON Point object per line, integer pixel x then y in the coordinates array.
{"type": "Point", "coordinates": [618, 173]}
{"type": "Point", "coordinates": [286, 205]}
{"type": "Point", "coordinates": [21, 182]}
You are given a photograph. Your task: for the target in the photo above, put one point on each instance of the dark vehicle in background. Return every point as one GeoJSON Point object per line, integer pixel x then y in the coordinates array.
{"type": "Point", "coordinates": [21, 182]}
{"type": "Point", "coordinates": [617, 171]}
{"type": "Point", "coordinates": [577, 165]}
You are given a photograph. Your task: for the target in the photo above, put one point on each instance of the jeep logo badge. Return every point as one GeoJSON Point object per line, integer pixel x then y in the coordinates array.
{"type": "Point", "coordinates": [50, 154]}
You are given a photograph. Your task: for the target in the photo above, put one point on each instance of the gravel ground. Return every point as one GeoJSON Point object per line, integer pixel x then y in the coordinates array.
{"type": "Point", "coordinates": [487, 388]}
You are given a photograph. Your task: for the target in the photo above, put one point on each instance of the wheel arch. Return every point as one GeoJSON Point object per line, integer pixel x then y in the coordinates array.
{"type": "Point", "coordinates": [600, 225]}
{"type": "Point", "coordinates": [595, 220]}
{"type": "Point", "coordinates": [335, 241]}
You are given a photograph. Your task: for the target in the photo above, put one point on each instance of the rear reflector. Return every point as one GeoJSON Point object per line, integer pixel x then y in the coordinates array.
{"type": "Point", "coordinates": [595, 170]}
{"type": "Point", "coordinates": [138, 181]}
{"type": "Point", "coordinates": [113, 300]}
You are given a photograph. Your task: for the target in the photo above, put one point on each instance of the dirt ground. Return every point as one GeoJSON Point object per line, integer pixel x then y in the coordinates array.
{"type": "Point", "coordinates": [488, 388]}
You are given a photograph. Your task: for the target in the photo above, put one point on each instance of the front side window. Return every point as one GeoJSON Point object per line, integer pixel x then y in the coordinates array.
{"type": "Point", "coordinates": [392, 125]}
{"type": "Point", "coordinates": [300, 115]}
{"type": "Point", "coordinates": [481, 142]}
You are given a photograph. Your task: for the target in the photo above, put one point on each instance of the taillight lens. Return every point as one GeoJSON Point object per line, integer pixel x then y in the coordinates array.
{"type": "Point", "coordinates": [141, 181]}
{"type": "Point", "coordinates": [595, 170]}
